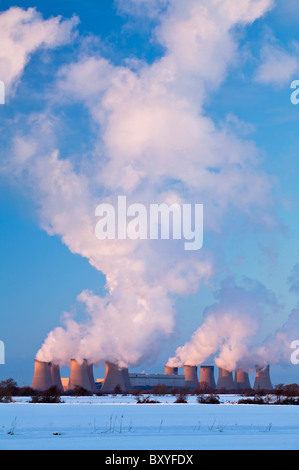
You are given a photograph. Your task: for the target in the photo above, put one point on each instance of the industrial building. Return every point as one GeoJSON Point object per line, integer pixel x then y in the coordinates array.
{"type": "Point", "coordinates": [207, 379]}
{"type": "Point", "coordinates": [262, 379]}
{"type": "Point", "coordinates": [242, 381]}
{"type": "Point", "coordinates": [225, 380]}
{"type": "Point", "coordinates": [47, 375]}
{"type": "Point", "coordinates": [148, 381]}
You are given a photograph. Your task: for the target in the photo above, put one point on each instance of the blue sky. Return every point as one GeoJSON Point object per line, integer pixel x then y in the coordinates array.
{"type": "Point", "coordinates": [41, 275]}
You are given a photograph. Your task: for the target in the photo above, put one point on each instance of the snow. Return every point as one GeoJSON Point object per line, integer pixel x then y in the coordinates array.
{"type": "Point", "coordinates": [118, 423]}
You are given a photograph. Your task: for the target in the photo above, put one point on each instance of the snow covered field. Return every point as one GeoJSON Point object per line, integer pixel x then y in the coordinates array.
{"type": "Point", "coordinates": [118, 423]}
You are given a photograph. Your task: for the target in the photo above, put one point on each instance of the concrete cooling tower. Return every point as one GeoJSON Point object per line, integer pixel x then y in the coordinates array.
{"type": "Point", "coordinates": [191, 377]}
{"type": "Point", "coordinates": [171, 370]}
{"type": "Point", "coordinates": [42, 379]}
{"type": "Point", "coordinates": [56, 378]}
{"type": "Point", "coordinates": [81, 376]}
{"type": "Point", "coordinates": [262, 379]}
{"type": "Point", "coordinates": [116, 377]}
{"type": "Point", "coordinates": [91, 379]}
{"type": "Point", "coordinates": [225, 380]}
{"type": "Point", "coordinates": [242, 381]}
{"type": "Point", "coordinates": [207, 377]}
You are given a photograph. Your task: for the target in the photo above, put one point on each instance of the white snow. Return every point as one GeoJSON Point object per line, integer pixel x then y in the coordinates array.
{"type": "Point", "coordinates": [118, 423]}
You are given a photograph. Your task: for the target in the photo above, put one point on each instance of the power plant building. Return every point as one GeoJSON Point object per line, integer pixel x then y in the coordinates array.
{"type": "Point", "coordinates": [148, 381]}
{"type": "Point", "coordinates": [116, 377]}
{"type": "Point", "coordinates": [42, 379]}
{"type": "Point", "coordinates": [262, 379]}
{"type": "Point", "coordinates": [81, 376]}
{"type": "Point", "coordinates": [225, 380]}
{"type": "Point", "coordinates": [207, 378]}
{"type": "Point", "coordinates": [242, 381]}
{"type": "Point", "coordinates": [191, 377]}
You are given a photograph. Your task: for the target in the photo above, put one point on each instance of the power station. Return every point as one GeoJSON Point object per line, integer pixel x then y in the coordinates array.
{"type": "Point", "coordinates": [262, 379]}
{"type": "Point", "coordinates": [120, 380]}
{"type": "Point", "coordinates": [242, 381]}
{"type": "Point", "coordinates": [225, 380]}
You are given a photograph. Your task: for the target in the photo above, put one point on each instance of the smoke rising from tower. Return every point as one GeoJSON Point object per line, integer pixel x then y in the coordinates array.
{"type": "Point", "coordinates": [155, 143]}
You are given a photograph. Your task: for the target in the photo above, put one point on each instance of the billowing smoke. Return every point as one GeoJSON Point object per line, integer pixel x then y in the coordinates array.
{"type": "Point", "coordinates": [276, 349]}
{"type": "Point", "coordinates": [154, 143]}
{"type": "Point", "coordinates": [230, 327]}
{"type": "Point", "coordinates": [231, 331]}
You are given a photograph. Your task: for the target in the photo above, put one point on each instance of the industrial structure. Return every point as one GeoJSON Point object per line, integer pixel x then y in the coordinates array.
{"type": "Point", "coordinates": [81, 376]}
{"type": "Point", "coordinates": [225, 380]}
{"type": "Point", "coordinates": [42, 379]}
{"type": "Point", "coordinates": [56, 378]}
{"type": "Point", "coordinates": [191, 377]}
{"type": "Point", "coordinates": [207, 379]}
{"type": "Point", "coordinates": [262, 379]}
{"type": "Point", "coordinates": [242, 381]}
{"type": "Point", "coordinates": [171, 370]}
{"type": "Point", "coordinates": [148, 381]}
{"type": "Point", "coordinates": [116, 377]}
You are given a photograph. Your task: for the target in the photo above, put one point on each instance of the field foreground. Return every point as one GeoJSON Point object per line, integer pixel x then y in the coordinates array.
{"type": "Point", "coordinates": [118, 423]}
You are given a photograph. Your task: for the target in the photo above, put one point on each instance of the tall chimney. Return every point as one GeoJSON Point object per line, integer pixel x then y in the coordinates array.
{"type": "Point", "coordinates": [242, 381]}
{"type": "Point", "coordinates": [191, 378]}
{"type": "Point", "coordinates": [262, 379]}
{"type": "Point", "coordinates": [171, 370]}
{"type": "Point", "coordinates": [115, 376]}
{"type": "Point", "coordinates": [207, 377]}
{"type": "Point", "coordinates": [56, 378]}
{"type": "Point", "coordinates": [42, 379]}
{"type": "Point", "coordinates": [225, 380]}
{"type": "Point", "coordinates": [80, 376]}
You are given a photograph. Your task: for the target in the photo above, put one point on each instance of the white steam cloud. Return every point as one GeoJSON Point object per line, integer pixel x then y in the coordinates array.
{"type": "Point", "coordinates": [230, 327]}
{"type": "Point", "coordinates": [154, 143]}
{"type": "Point", "coordinates": [230, 331]}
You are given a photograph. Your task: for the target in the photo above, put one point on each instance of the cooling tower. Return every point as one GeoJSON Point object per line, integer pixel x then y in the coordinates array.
{"type": "Point", "coordinates": [262, 379]}
{"type": "Point", "coordinates": [225, 380]}
{"type": "Point", "coordinates": [191, 378]}
{"type": "Point", "coordinates": [80, 376]}
{"type": "Point", "coordinates": [171, 370]}
{"type": "Point", "coordinates": [116, 377]}
{"type": "Point", "coordinates": [242, 381]}
{"type": "Point", "coordinates": [91, 379]}
{"type": "Point", "coordinates": [207, 377]}
{"type": "Point", "coordinates": [42, 379]}
{"type": "Point", "coordinates": [56, 378]}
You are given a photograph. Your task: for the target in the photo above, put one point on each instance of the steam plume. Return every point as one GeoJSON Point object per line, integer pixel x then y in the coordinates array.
{"type": "Point", "coordinates": [155, 143]}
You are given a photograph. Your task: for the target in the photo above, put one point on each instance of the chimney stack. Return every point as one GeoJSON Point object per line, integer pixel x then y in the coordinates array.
{"type": "Point", "coordinates": [171, 370]}
{"type": "Point", "coordinates": [56, 378]}
{"type": "Point", "coordinates": [242, 381]}
{"type": "Point", "coordinates": [225, 380]}
{"type": "Point", "coordinates": [42, 379]}
{"type": "Point", "coordinates": [207, 377]}
{"type": "Point", "coordinates": [80, 376]}
{"type": "Point", "coordinates": [191, 377]}
{"type": "Point", "coordinates": [262, 379]}
{"type": "Point", "coordinates": [115, 376]}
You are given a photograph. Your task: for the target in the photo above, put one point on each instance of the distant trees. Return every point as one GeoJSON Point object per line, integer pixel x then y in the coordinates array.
{"type": "Point", "coordinates": [52, 395]}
